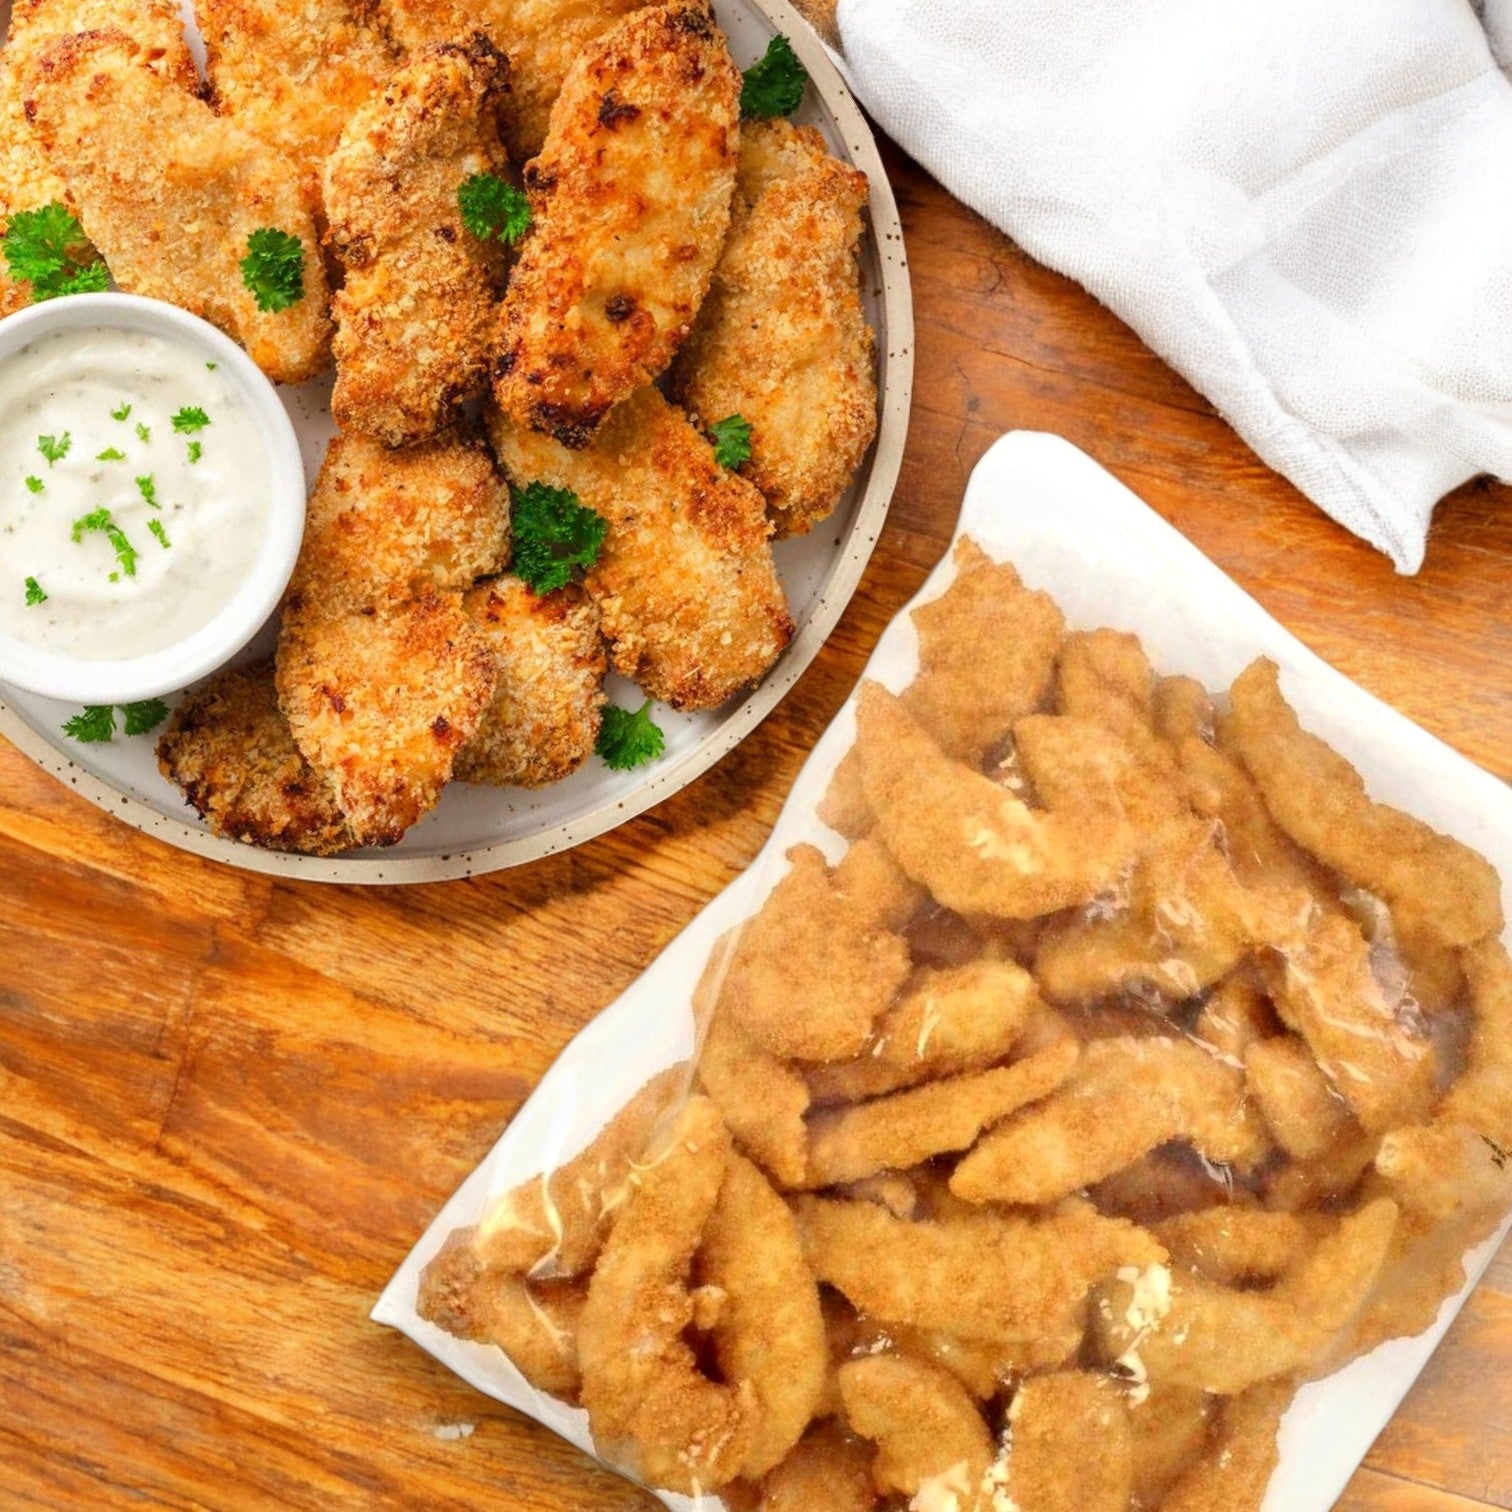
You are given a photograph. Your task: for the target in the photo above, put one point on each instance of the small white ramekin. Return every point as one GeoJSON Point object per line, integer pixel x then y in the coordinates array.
{"type": "Point", "coordinates": [267, 573]}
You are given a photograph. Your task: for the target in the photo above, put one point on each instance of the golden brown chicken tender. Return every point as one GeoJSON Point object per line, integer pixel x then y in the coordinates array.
{"type": "Point", "coordinates": [828, 1469]}
{"type": "Point", "coordinates": [293, 74]}
{"type": "Point", "coordinates": [692, 607]}
{"type": "Point", "coordinates": [1300, 1107]}
{"type": "Point", "coordinates": [1072, 1446]}
{"type": "Point", "coordinates": [781, 339]}
{"type": "Point", "coordinates": [631, 198]}
{"type": "Point", "coordinates": [542, 39]}
{"type": "Point", "coordinates": [229, 749]}
{"type": "Point", "coordinates": [1431, 881]}
{"type": "Point", "coordinates": [172, 215]}
{"type": "Point", "coordinates": [1236, 1469]}
{"type": "Point", "coordinates": [27, 180]}
{"type": "Point", "coordinates": [549, 697]}
{"type": "Point", "coordinates": [415, 318]}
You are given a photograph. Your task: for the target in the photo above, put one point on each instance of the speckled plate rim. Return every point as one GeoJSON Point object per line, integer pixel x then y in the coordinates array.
{"type": "Point", "coordinates": [896, 336]}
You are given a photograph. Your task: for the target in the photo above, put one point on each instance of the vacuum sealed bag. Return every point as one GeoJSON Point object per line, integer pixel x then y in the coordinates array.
{"type": "Point", "coordinates": [1097, 1095]}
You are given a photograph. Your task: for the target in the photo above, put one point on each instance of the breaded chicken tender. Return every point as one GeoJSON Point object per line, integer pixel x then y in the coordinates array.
{"type": "Point", "coordinates": [1306, 1115]}
{"type": "Point", "coordinates": [770, 1331]}
{"type": "Point", "coordinates": [1125, 1097]}
{"type": "Point", "coordinates": [415, 318]}
{"type": "Point", "coordinates": [381, 672]}
{"type": "Point", "coordinates": [815, 967]}
{"type": "Point", "coordinates": [542, 38]}
{"type": "Point", "coordinates": [631, 199]}
{"type": "Point", "coordinates": [549, 695]}
{"type": "Point", "coordinates": [384, 524]}
{"type": "Point", "coordinates": [692, 606]}
{"type": "Point", "coordinates": [828, 1469]}
{"type": "Point", "coordinates": [987, 650]}
{"type": "Point", "coordinates": [781, 339]}
{"type": "Point", "coordinates": [1234, 1473]}
{"type": "Point", "coordinates": [293, 74]}
{"type": "Point", "coordinates": [1072, 1447]}
{"type": "Point", "coordinates": [27, 180]}
{"type": "Point", "coordinates": [228, 748]}
{"type": "Point", "coordinates": [1431, 881]}
{"type": "Point", "coordinates": [170, 193]}
{"type": "Point", "coordinates": [649, 1405]}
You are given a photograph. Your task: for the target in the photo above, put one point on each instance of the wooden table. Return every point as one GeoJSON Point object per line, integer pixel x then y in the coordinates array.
{"type": "Point", "coordinates": [228, 1104]}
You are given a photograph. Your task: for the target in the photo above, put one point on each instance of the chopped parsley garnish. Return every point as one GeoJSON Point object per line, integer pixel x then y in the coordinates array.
{"type": "Point", "coordinates": [148, 490]}
{"type": "Point", "coordinates": [94, 726]}
{"type": "Point", "coordinates": [196, 451]}
{"type": "Point", "coordinates": [629, 738]}
{"type": "Point", "coordinates": [144, 432]}
{"type": "Point", "coordinates": [190, 418]}
{"type": "Point", "coordinates": [103, 521]}
{"type": "Point", "coordinates": [273, 269]}
{"type": "Point", "coordinates": [34, 593]}
{"type": "Point", "coordinates": [159, 534]}
{"type": "Point", "coordinates": [54, 448]}
{"type": "Point", "coordinates": [35, 485]}
{"type": "Point", "coordinates": [121, 412]}
{"type": "Point", "coordinates": [553, 534]}
{"type": "Point", "coordinates": [774, 86]}
{"type": "Point", "coordinates": [110, 454]}
{"type": "Point", "coordinates": [48, 249]}
{"type": "Point", "coordinates": [491, 207]}
{"type": "Point", "coordinates": [732, 441]}
{"type": "Point", "coordinates": [146, 715]}
{"type": "Point", "coordinates": [97, 723]}
{"type": "Point", "coordinates": [212, 366]}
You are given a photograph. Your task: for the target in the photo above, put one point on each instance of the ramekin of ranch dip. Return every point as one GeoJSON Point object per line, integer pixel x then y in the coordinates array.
{"type": "Point", "coordinates": [151, 498]}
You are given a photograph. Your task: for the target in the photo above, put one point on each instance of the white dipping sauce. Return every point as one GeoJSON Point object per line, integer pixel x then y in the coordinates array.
{"type": "Point", "coordinates": [212, 512]}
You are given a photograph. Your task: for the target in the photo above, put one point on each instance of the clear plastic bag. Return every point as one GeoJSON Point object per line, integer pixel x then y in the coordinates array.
{"type": "Point", "coordinates": [1104, 1109]}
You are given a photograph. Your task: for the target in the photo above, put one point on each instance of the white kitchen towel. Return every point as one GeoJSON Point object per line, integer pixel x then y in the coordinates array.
{"type": "Point", "coordinates": [1305, 206]}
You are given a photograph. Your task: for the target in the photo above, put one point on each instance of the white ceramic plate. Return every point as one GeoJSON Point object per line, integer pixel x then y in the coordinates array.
{"type": "Point", "coordinates": [479, 829]}
{"type": "Point", "coordinates": [1107, 559]}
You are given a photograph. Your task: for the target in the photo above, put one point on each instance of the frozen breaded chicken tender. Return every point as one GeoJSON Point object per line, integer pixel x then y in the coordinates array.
{"type": "Point", "coordinates": [416, 316]}
{"type": "Point", "coordinates": [27, 180]}
{"type": "Point", "coordinates": [173, 214]}
{"type": "Point", "coordinates": [1233, 1474]}
{"type": "Point", "coordinates": [987, 650]}
{"type": "Point", "coordinates": [1072, 1445]}
{"type": "Point", "coordinates": [631, 198]}
{"type": "Point", "coordinates": [549, 697]}
{"type": "Point", "coordinates": [293, 74]}
{"type": "Point", "coordinates": [782, 340]}
{"type": "Point", "coordinates": [692, 606]}
{"type": "Point", "coordinates": [229, 750]}
{"type": "Point", "coordinates": [383, 523]}
{"type": "Point", "coordinates": [1125, 1097]}
{"type": "Point", "coordinates": [1430, 880]}
{"type": "Point", "coordinates": [648, 1401]}
{"type": "Point", "coordinates": [542, 38]}
{"type": "Point", "coordinates": [829, 1469]}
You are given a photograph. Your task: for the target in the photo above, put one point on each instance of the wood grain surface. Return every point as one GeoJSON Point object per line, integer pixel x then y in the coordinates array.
{"type": "Point", "coordinates": [229, 1104]}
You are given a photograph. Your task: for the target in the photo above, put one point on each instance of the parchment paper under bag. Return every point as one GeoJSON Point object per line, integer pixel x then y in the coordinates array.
{"type": "Point", "coordinates": [1084, 1064]}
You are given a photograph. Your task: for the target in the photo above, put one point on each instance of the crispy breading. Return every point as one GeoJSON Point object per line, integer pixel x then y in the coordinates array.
{"type": "Point", "coordinates": [1125, 1097]}
{"type": "Point", "coordinates": [1432, 882]}
{"type": "Point", "coordinates": [415, 319]}
{"type": "Point", "coordinates": [815, 967]}
{"type": "Point", "coordinates": [383, 523]}
{"type": "Point", "coordinates": [1237, 1467]}
{"type": "Point", "coordinates": [382, 700]}
{"type": "Point", "coordinates": [648, 1402]}
{"type": "Point", "coordinates": [1300, 1107]}
{"type": "Point", "coordinates": [987, 650]}
{"type": "Point", "coordinates": [542, 39]}
{"type": "Point", "coordinates": [1072, 1448]}
{"type": "Point", "coordinates": [692, 606]}
{"type": "Point", "coordinates": [980, 1276]}
{"type": "Point", "coordinates": [27, 181]}
{"type": "Point", "coordinates": [1169, 1432]}
{"type": "Point", "coordinates": [549, 698]}
{"type": "Point", "coordinates": [170, 193]}
{"type": "Point", "coordinates": [229, 749]}
{"type": "Point", "coordinates": [828, 1469]}
{"type": "Point", "coordinates": [1105, 675]}
{"type": "Point", "coordinates": [293, 74]}
{"type": "Point", "coordinates": [1482, 1097]}
{"type": "Point", "coordinates": [781, 339]}
{"type": "Point", "coordinates": [1235, 1245]}
{"type": "Point", "coordinates": [631, 197]}
{"type": "Point", "coordinates": [912, 1126]}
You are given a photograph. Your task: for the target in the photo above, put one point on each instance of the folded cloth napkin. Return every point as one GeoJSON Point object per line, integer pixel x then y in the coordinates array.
{"type": "Point", "coordinates": [1302, 205]}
